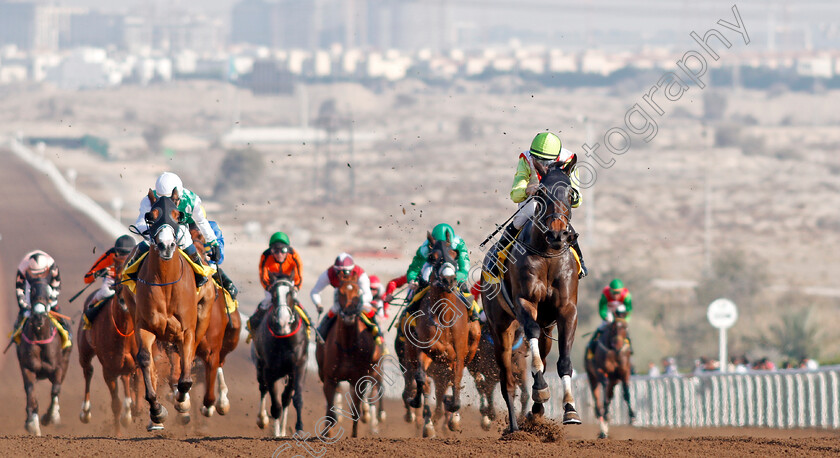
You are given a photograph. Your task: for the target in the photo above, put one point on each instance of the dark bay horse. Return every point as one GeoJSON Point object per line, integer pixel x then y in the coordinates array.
{"type": "Point", "coordinates": [168, 308]}
{"type": "Point", "coordinates": [606, 365]}
{"type": "Point", "coordinates": [111, 340]}
{"type": "Point", "coordinates": [438, 343]}
{"type": "Point", "coordinates": [280, 349]}
{"type": "Point", "coordinates": [40, 356]}
{"type": "Point", "coordinates": [350, 353]}
{"type": "Point", "coordinates": [485, 372]}
{"type": "Point", "coordinates": [539, 289]}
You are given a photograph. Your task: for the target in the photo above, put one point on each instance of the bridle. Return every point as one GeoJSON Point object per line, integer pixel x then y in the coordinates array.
{"type": "Point", "coordinates": [566, 216]}
{"type": "Point", "coordinates": [277, 304]}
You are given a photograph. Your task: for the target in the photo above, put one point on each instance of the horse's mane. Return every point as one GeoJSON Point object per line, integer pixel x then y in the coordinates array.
{"type": "Point", "coordinates": [556, 177]}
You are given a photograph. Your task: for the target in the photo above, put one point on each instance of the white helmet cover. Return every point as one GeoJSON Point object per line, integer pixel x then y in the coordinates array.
{"type": "Point", "coordinates": [166, 183]}
{"type": "Point", "coordinates": [38, 264]}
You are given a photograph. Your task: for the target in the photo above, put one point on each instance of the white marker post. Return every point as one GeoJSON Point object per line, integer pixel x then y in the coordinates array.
{"type": "Point", "coordinates": [722, 314]}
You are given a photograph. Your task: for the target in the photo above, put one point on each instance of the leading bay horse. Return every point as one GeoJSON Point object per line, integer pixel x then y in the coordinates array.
{"type": "Point", "coordinates": [40, 356]}
{"type": "Point", "coordinates": [280, 350]}
{"type": "Point", "coordinates": [350, 353]}
{"type": "Point", "coordinates": [606, 365]}
{"type": "Point", "coordinates": [438, 340]}
{"type": "Point", "coordinates": [538, 289]}
{"type": "Point", "coordinates": [168, 306]}
{"type": "Point", "coordinates": [111, 340]}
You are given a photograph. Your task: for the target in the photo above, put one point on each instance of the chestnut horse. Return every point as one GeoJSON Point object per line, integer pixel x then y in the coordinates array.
{"type": "Point", "coordinates": [439, 343]}
{"type": "Point", "coordinates": [538, 289]}
{"type": "Point", "coordinates": [40, 356]}
{"type": "Point", "coordinates": [167, 305]}
{"type": "Point", "coordinates": [606, 365]}
{"type": "Point", "coordinates": [111, 340]}
{"type": "Point", "coordinates": [280, 350]}
{"type": "Point", "coordinates": [350, 353]}
{"type": "Point", "coordinates": [486, 374]}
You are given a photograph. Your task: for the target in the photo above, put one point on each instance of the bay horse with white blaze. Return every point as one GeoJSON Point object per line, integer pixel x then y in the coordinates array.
{"type": "Point", "coordinates": [350, 353]}
{"type": "Point", "coordinates": [538, 289]}
{"type": "Point", "coordinates": [40, 356]}
{"type": "Point", "coordinates": [438, 343]}
{"type": "Point", "coordinates": [111, 340]}
{"type": "Point", "coordinates": [168, 307]}
{"type": "Point", "coordinates": [607, 365]}
{"type": "Point", "coordinates": [280, 350]}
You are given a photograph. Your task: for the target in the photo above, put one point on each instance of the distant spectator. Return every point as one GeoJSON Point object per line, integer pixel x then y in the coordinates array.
{"type": "Point", "coordinates": [670, 366]}
{"type": "Point", "coordinates": [741, 364]}
{"type": "Point", "coordinates": [788, 364]}
{"type": "Point", "coordinates": [653, 370]}
{"type": "Point", "coordinates": [810, 364]}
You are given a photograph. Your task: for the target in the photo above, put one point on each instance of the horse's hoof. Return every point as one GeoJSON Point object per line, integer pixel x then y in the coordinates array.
{"type": "Point", "coordinates": [414, 403]}
{"type": "Point", "coordinates": [262, 420]}
{"type": "Point", "coordinates": [33, 426]}
{"type": "Point", "coordinates": [410, 417]}
{"type": "Point", "coordinates": [428, 430]}
{"type": "Point", "coordinates": [208, 411]}
{"type": "Point", "coordinates": [278, 431]}
{"type": "Point", "coordinates": [125, 419]}
{"type": "Point", "coordinates": [382, 416]}
{"type": "Point", "coordinates": [602, 435]}
{"type": "Point", "coordinates": [571, 417]}
{"type": "Point", "coordinates": [84, 416]}
{"type": "Point", "coordinates": [160, 417]}
{"type": "Point", "coordinates": [184, 418]}
{"type": "Point", "coordinates": [540, 396]}
{"type": "Point", "coordinates": [152, 426]}
{"type": "Point", "coordinates": [486, 423]}
{"type": "Point", "coordinates": [184, 406]}
{"type": "Point", "coordinates": [455, 422]}
{"type": "Point", "coordinates": [366, 417]}
{"type": "Point", "coordinates": [223, 406]}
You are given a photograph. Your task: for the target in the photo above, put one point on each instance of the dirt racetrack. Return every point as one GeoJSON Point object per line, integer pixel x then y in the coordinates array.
{"type": "Point", "coordinates": [34, 216]}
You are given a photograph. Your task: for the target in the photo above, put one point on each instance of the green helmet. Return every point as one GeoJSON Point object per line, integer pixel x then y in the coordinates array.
{"type": "Point", "coordinates": [440, 231]}
{"type": "Point", "coordinates": [616, 284]}
{"type": "Point", "coordinates": [546, 145]}
{"type": "Point", "coordinates": [279, 237]}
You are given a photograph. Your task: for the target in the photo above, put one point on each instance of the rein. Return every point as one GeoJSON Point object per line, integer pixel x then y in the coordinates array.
{"type": "Point", "coordinates": [40, 342]}
{"type": "Point", "coordinates": [113, 300]}
{"type": "Point", "coordinates": [165, 284]}
{"type": "Point", "coordinates": [283, 336]}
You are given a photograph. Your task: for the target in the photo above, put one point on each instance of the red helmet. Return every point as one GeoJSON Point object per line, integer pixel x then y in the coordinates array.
{"type": "Point", "coordinates": [344, 262]}
{"type": "Point", "coordinates": [375, 283]}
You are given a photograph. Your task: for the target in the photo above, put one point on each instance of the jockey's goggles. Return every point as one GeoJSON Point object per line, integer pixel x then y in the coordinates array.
{"type": "Point", "coordinates": [344, 270]}
{"type": "Point", "coordinates": [278, 249]}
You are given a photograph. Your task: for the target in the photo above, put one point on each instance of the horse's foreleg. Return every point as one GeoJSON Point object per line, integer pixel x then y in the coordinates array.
{"type": "Point", "coordinates": [504, 353]}
{"type": "Point", "coordinates": [566, 336]}
{"type": "Point", "coordinates": [85, 360]}
{"type": "Point", "coordinates": [33, 423]}
{"type": "Point", "coordinates": [186, 348]}
{"type": "Point", "coordinates": [157, 412]}
{"type": "Point", "coordinates": [423, 389]}
{"type": "Point", "coordinates": [125, 416]}
{"type": "Point", "coordinates": [610, 392]}
{"type": "Point", "coordinates": [277, 409]}
{"type": "Point", "coordinates": [329, 394]}
{"type": "Point", "coordinates": [223, 403]}
{"type": "Point", "coordinates": [527, 316]}
{"type": "Point", "coordinates": [625, 387]}
{"type": "Point", "coordinates": [297, 397]}
{"type": "Point", "coordinates": [116, 405]}
{"type": "Point", "coordinates": [211, 364]}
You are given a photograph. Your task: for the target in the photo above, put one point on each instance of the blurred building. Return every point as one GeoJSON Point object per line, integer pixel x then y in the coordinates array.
{"type": "Point", "coordinates": [95, 29]}
{"type": "Point", "coordinates": [29, 26]}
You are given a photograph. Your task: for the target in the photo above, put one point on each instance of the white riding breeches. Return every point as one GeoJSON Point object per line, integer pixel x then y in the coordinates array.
{"type": "Point", "coordinates": [105, 289]}
{"type": "Point", "coordinates": [525, 214]}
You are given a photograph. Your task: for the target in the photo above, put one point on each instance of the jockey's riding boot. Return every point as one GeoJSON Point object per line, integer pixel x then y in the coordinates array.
{"type": "Point", "coordinates": [583, 270]}
{"type": "Point", "coordinates": [142, 247]}
{"type": "Point", "coordinates": [470, 302]}
{"type": "Point", "coordinates": [255, 320]}
{"type": "Point", "coordinates": [200, 280]}
{"type": "Point", "coordinates": [227, 283]}
{"type": "Point", "coordinates": [325, 326]}
{"type": "Point", "coordinates": [507, 236]}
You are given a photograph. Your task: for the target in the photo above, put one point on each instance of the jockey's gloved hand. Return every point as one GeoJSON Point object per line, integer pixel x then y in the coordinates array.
{"type": "Point", "coordinates": [215, 254]}
{"type": "Point", "coordinates": [388, 298]}
{"type": "Point", "coordinates": [100, 273]}
{"type": "Point", "coordinates": [22, 304]}
{"type": "Point", "coordinates": [532, 189]}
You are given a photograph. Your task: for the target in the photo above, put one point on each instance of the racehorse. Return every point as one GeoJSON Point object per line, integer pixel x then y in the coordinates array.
{"type": "Point", "coordinates": [439, 343]}
{"type": "Point", "coordinates": [40, 356]}
{"type": "Point", "coordinates": [486, 374]}
{"type": "Point", "coordinates": [280, 350]}
{"type": "Point", "coordinates": [221, 338]}
{"type": "Point", "coordinates": [350, 353]}
{"type": "Point", "coordinates": [538, 288]}
{"type": "Point", "coordinates": [606, 365]}
{"type": "Point", "coordinates": [111, 339]}
{"type": "Point", "coordinates": [168, 307]}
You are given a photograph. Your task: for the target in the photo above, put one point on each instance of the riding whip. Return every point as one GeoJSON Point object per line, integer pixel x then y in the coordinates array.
{"type": "Point", "coordinates": [503, 225]}
{"type": "Point", "coordinates": [83, 289]}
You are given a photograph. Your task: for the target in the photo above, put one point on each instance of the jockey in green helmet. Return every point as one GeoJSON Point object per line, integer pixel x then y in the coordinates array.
{"type": "Point", "coordinates": [616, 300]}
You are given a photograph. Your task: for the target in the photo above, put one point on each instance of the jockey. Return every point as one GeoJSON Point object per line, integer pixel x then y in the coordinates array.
{"type": "Point", "coordinates": [389, 290]}
{"type": "Point", "coordinates": [105, 268]}
{"type": "Point", "coordinates": [342, 268]}
{"type": "Point", "coordinates": [37, 264]}
{"type": "Point", "coordinates": [280, 259]}
{"type": "Point", "coordinates": [419, 270]}
{"type": "Point", "coordinates": [546, 148]}
{"type": "Point", "coordinates": [378, 292]}
{"type": "Point", "coordinates": [190, 205]}
{"type": "Point", "coordinates": [615, 298]}
{"type": "Point", "coordinates": [223, 279]}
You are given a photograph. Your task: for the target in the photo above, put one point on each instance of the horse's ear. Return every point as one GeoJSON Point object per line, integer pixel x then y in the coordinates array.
{"type": "Point", "coordinates": [540, 168]}
{"type": "Point", "coordinates": [176, 196]}
{"type": "Point", "coordinates": [430, 238]}
{"type": "Point", "coordinates": [151, 195]}
{"type": "Point", "coordinates": [448, 238]}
